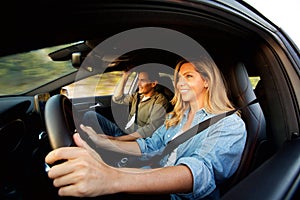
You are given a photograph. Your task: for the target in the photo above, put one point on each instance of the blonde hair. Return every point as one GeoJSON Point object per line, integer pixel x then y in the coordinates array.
{"type": "Point", "coordinates": [215, 101]}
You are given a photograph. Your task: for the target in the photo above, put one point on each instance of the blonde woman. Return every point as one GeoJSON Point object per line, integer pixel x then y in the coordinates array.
{"type": "Point", "coordinates": [192, 171]}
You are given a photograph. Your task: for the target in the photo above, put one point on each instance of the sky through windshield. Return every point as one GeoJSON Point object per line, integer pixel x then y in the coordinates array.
{"type": "Point", "coordinates": [284, 13]}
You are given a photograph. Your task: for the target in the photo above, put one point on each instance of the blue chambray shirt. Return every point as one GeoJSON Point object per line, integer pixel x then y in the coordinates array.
{"type": "Point", "coordinates": [212, 155]}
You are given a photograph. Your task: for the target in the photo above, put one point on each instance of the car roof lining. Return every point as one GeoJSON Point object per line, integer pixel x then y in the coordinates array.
{"type": "Point", "coordinates": [135, 16]}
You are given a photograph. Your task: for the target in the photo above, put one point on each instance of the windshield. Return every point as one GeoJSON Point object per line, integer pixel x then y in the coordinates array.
{"type": "Point", "coordinates": [24, 72]}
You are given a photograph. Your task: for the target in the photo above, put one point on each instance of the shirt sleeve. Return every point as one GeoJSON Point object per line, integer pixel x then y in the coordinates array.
{"type": "Point", "coordinates": [216, 157]}
{"type": "Point", "coordinates": [155, 144]}
{"type": "Point", "coordinates": [124, 99]}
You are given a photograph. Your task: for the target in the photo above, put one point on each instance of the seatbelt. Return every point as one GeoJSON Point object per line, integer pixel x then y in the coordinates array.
{"type": "Point", "coordinates": [138, 99]}
{"type": "Point", "coordinates": [133, 161]}
{"type": "Point", "coordinates": [173, 144]}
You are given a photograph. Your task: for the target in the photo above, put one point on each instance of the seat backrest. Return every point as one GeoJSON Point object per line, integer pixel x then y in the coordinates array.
{"type": "Point", "coordinates": [166, 87]}
{"type": "Point", "coordinates": [241, 93]}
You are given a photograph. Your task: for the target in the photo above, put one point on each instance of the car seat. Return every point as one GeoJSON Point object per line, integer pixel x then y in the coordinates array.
{"type": "Point", "coordinates": [241, 93]}
{"type": "Point", "coordinates": [166, 87]}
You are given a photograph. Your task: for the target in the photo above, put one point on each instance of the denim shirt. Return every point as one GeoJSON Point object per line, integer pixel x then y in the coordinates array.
{"type": "Point", "coordinates": [212, 155]}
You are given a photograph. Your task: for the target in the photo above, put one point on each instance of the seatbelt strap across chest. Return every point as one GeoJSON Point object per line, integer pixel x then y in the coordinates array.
{"type": "Point", "coordinates": [173, 144]}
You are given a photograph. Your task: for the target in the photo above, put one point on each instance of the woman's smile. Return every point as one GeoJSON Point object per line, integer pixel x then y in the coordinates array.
{"type": "Point", "coordinates": [184, 91]}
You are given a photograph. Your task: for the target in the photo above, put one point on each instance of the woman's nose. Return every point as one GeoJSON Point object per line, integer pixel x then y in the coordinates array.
{"type": "Point", "coordinates": [181, 81]}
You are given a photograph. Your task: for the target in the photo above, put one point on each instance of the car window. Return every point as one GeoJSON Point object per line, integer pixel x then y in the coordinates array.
{"type": "Point", "coordinates": [24, 72]}
{"type": "Point", "coordinates": [254, 80]}
{"type": "Point", "coordinates": [98, 85]}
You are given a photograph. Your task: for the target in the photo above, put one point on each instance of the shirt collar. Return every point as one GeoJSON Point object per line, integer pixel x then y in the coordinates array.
{"type": "Point", "coordinates": [142, 96]}
{"type": "Point", "coordinates": [201, 111]}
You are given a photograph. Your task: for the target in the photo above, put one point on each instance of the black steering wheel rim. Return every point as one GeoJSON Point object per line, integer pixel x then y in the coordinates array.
{"type": "Point", "coordinates": [59, 121]}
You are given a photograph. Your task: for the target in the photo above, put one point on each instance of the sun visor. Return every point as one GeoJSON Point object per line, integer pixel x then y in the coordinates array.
{"type": "Point", "coordinates": [66, 53]}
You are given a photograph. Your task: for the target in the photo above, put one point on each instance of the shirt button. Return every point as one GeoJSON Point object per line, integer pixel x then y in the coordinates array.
{"type": "Point", "coordinates": [168, 135]}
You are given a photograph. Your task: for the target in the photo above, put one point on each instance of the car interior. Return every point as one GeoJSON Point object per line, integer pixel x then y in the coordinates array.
{"type": "Point", "coordinates": [245, 55]}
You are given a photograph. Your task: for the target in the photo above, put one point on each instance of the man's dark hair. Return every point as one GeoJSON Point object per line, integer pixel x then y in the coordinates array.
{"type": "Point", "coordinates": [153, 74]}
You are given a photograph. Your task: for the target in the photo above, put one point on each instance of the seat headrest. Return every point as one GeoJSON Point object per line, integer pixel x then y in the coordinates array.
{"type": "Point", "coordinates": [240, 85]}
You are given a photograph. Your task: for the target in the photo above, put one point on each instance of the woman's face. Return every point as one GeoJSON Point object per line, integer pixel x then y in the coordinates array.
{"type": "Point", "coordinates": [191, 85]}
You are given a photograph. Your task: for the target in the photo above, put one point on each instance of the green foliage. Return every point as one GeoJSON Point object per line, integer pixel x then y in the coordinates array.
{"type": "Point", "coordinates": [24, 72]}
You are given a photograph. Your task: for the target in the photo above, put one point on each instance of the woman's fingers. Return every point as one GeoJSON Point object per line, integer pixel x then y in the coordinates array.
{"type": "Point", "coordinates": [62, 153]}
{"type": "Point", "coordinates": [101, 140]}
{"type": "Point", "coordinates": [90, 132]}
{"type": "Point", "coordinates": [81, 143]}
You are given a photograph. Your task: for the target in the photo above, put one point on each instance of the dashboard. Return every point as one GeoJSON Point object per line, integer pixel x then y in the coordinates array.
{"type": "Point", "coordinates": [21, 124]}
{"type": "Point", "coordinates": [40, 102]}
{"type": "Point", "coordinates": [23, 144]}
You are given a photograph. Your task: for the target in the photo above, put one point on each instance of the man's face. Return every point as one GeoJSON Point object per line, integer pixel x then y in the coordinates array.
{"type": "Point", "coordinates": [146, 87]}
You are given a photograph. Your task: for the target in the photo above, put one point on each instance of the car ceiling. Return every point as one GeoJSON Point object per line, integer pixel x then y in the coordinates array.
{"type": "Point", "coordinates": [35, 24]}
{"type": "Point", "coordinates": [62, 23]}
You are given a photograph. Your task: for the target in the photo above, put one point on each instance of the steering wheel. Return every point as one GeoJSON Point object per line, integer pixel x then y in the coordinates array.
{"type": "Point", "coordinates": [59, 121]}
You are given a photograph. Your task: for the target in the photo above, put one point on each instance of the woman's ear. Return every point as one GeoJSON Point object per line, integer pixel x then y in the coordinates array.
{"type": "Point", "coordinates": [206, 84]}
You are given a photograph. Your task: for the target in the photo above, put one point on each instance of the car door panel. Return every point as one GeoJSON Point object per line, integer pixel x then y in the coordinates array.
{"type": "Point", "coordinates": [278, 178]}
{"type": "Point", "coordinates": [103, 105]}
